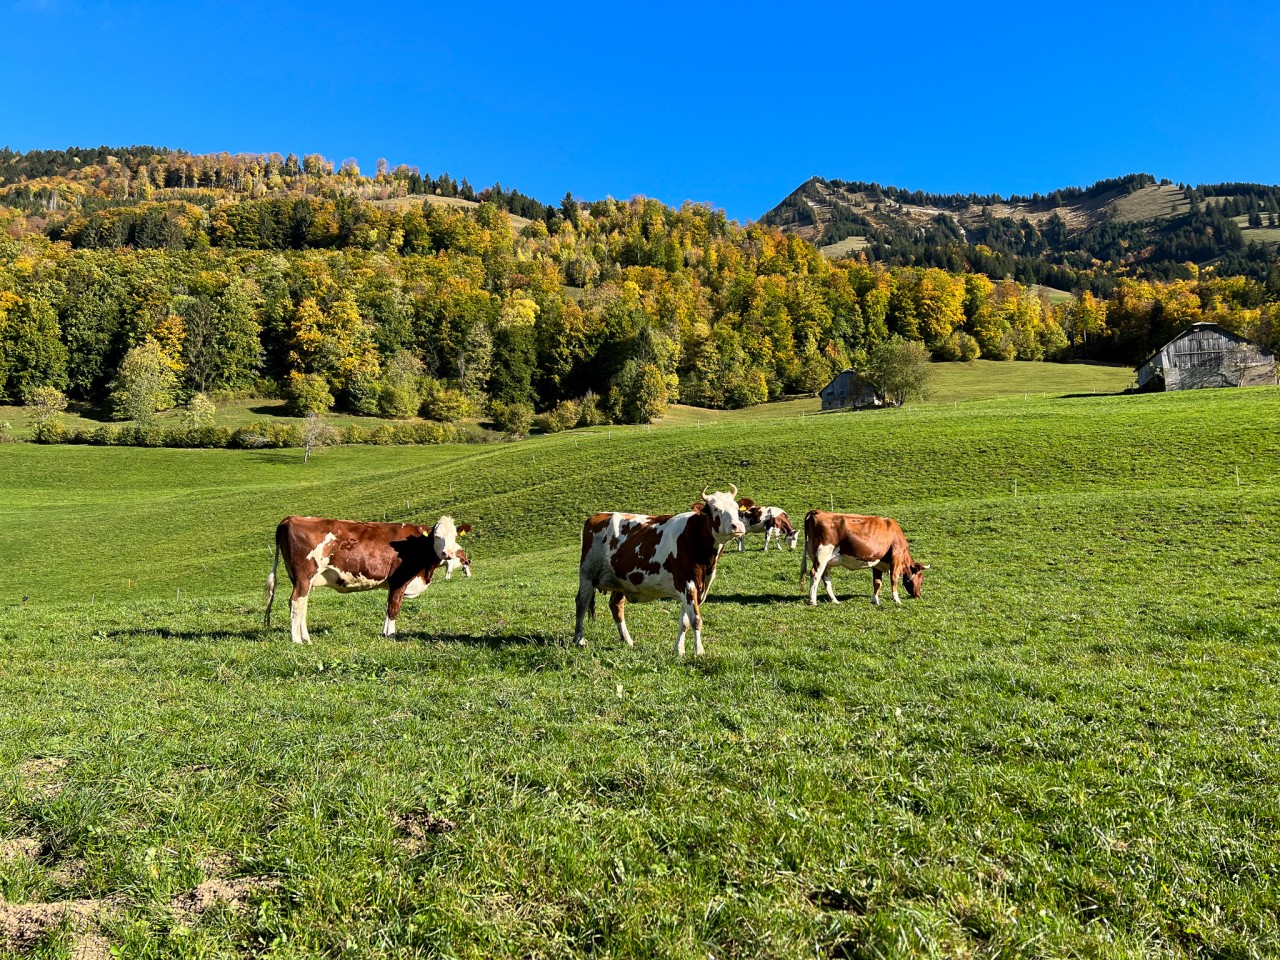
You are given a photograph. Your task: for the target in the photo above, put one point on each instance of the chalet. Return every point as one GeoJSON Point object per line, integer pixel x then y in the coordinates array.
{"type": "Point", "coordinates": [849, 390]}
{"type": "Point", "coordinates": [1206, 355]}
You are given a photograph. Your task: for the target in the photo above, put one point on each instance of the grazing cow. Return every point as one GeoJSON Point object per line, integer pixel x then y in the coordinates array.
{"type": "Point", "coordinates": [351, 556]}
{"type": "Point", "coordinates": [639, 558]}
{"type": "Point", "coordinates": [771, 521]}
{"type": "Point", "coordinates": [848, 540]}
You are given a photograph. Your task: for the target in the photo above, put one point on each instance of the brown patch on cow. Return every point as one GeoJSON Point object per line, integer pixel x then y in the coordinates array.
{"type": "Point", "coordinates": [40, 775]}
{"type": "Point", "coordinates": [234, 893]}
{"type": "Point", "coordinates": [695, 555]}
{"type": "Point", "coordinates": [636, 577]}
{"type": "Point", "coordinates": [19, 848]}
{"type": "Point", "coordinates": [418, 827]}
{"type": "Point", "coordinates": [23, 925]}
{"type": "Point", "coordinates": [638, 547]}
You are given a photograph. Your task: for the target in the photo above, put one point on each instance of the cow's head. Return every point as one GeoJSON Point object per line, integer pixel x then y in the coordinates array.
{"type": "Point", "coordinates": [791, 534]}
{"type": "Point", "coordinates": [914, 579]}
{"type": "Point", "coordinates": [445, 536]}
{"type": "Point", "coordinates": [722, 508]}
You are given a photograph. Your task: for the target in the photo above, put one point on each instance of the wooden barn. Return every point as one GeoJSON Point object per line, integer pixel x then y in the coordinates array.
{"type": "Point", "coordinates": [849, 390]}
{"type": "Point", "coordinates": [1206, 355]}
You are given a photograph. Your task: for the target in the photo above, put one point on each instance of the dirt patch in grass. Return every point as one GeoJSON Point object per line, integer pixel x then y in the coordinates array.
{"type": "Point", "coordinates": [418, 827]}
{"type": "Point", "coordinates": [22, 925]}
{"type": "Point", "coordinates": [19, 848]}
{"type": "Point", "coordinates": [69, 872]}
{"type": "Point", "coordinates": [233, 893]}
{"type": "Point", "coordinates": [40, 775]}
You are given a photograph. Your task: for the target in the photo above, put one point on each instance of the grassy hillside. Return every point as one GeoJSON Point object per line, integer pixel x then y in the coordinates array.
{"type": "Point", "coordinates": [951, 382]}
{"type": "Point", "coordinates": [1065, 748]}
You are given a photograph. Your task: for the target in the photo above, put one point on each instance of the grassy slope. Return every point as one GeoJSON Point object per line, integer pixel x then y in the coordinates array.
{"type": "Point", "coordinates": [951, 382]}
{"type": "Point", "coordinates": [1066, 748]}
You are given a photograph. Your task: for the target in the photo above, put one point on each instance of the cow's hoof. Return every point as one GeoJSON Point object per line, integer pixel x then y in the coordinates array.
{"type": "Point", "coordinates": [582, 642]}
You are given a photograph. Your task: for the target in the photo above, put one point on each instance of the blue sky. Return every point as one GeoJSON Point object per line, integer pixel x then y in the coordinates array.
{"type": "Point", "coordinates": [735, 105]}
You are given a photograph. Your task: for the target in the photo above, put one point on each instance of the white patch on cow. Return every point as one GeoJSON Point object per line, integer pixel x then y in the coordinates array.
{"type": "Point", "coordinates": [415, 586]}
{"type": "Point", "coordinates": [319, 552]}
{"type": "Point", "coordinates": [388, 627]}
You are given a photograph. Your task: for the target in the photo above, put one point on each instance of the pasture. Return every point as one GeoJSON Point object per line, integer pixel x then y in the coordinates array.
{"type": "Point", "coordinates": [1067, 748]}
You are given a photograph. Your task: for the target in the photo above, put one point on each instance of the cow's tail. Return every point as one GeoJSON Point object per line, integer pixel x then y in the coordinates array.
{"type": "Point", "coordinates": [270, 589]}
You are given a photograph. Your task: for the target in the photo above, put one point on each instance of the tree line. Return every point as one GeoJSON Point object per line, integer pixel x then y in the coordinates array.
{"type": "Point", "coordinates": [337, 301]}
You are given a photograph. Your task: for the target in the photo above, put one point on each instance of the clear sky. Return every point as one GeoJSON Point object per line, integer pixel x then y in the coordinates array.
{"type": "Point", "coordinates": [732, 104]}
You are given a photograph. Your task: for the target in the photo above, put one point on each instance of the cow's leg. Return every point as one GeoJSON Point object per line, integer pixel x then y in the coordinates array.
{"type": "Point", "coordinates": [298, 612]}
{"type": "Point", "coordinates": [616, 604]}
{"type": "Point", "coordinates": [395, 598]}
{"type": "Point", "coordinates": [894, 574]}
{"type": "Point", "coordinates": [586, 601]}
{"type": "Point", "coordinates": [742, 543]}
{"type": "Point", "coordinates": [877, 581]}
{"type": "Point", "coordinates": [769, 535]}
{"type": "Point", "coordinates": [825, 554]}
{"type": "Point", "coordinates": [690, 616]}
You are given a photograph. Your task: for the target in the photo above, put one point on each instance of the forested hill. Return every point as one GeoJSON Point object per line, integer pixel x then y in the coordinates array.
{"type": "Point", "coordinates": [398, 292]}
{"type": "Point", "coordinates": [1070, 239]}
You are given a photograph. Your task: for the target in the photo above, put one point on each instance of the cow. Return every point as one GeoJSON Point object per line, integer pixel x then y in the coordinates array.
{"type": "Point", "coordinates": [640, 558]}
{"type": "Point", "coordinates": [849, 540]}
{"type": "Point", "coordinates": [771, 521]}
{"type": "Point", "coordinates": [351, 556]}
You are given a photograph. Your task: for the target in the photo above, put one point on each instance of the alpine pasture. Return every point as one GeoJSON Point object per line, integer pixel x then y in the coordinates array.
{"type": "Point", "coordinates": [1068, 747]}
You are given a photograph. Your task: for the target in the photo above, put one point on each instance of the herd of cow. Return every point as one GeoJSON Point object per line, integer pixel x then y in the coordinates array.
{"type": "Point", "coordinates": [630, 556]}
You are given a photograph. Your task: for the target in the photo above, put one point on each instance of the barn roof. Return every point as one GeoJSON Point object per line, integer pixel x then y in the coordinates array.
{"type": "Point", "coordinates": [1202, 325]}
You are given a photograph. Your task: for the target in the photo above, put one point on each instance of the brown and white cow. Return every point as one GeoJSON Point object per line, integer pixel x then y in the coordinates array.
{"type": "Point", "coordinates": [859, 543]}
{"type": "Point", "coordinates": [771, 521]}
{"type": "Point", "coordinates": [350, 556]}
{"type": "Point", "coordinates": [640, 558]}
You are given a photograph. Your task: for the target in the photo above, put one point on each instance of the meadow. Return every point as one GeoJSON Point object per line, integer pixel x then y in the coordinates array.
{"type": "Point", "coordinates": [1066, 748]}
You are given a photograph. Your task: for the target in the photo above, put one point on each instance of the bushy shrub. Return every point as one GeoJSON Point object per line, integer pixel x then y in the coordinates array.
{"type": "Point", "coordinates": [398, 401]}
{"type": "Point", "coordinates": [307, 393]}
{"type": "Point", "coordinates": [591, 412]}
{"type": "Point", "coordinates": [960, 347]}
{"type": "Point", "coordinates": [51, 431]}
{"type": "Point", "coordinates": [513, 419]}
{"type": "Point", "coordinates": [563, 416]}
{"type": "Point", "coordinates": [443, 403]}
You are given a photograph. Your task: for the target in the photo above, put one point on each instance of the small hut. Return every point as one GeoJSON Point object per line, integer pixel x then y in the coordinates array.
{"type": "Point", "coordinates": [1206, 355]}
{"type": "Point", "coordinates": [848, 389]}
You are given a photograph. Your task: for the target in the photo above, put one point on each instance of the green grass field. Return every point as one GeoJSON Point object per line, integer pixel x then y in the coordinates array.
{"type": "Point", "coordinates": [951, 382]}
{"type": "Point", "coordinates": [1067, 748]}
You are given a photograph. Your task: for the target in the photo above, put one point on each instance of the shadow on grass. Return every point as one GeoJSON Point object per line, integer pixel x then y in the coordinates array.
{"type": "Point", "coordinates": [277, 408]}
{"type": "Point", "coordinates": [493, 641]}
{"type": "Point", "coordinates": [757, 599]}
{"type": "Point", "coordinates": [254, 634]}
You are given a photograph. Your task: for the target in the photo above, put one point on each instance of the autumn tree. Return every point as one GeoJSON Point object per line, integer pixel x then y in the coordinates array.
{"type": "Point", "coordinates": [899, 369]}
{"type": "Point", "coordinates": [145, 383]}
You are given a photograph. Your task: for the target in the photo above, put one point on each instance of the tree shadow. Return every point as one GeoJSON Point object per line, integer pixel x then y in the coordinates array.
{"type": "Point", "coordinates": [274, 408]}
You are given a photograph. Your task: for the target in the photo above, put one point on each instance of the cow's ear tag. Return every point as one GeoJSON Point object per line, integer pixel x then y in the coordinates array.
{"type": "Point", "coordinates": [464, 529]}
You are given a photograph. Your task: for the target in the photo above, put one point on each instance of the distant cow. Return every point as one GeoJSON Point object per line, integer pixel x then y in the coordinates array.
{"type": "Point", "coordinates": [351, 556]}
{"type": "Point", "coordinates": [640, 558]}
{"type": "Point", "coordinates": [771, 521]}
{"type": "Point", "coordinates": [848, 540]}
